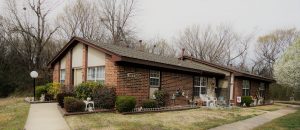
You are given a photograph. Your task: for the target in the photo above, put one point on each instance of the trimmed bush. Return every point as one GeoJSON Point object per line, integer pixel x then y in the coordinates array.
{"type": "Point", "coordinates": [125, 103]}
{"type": "Point", "coordinates": [73, 105]}
{"type": "Point", "coordinates": [60, 98]}
{"type": "Point", "coordinates": [86, 89]}
{"type": "Point", "coordinates": [104, 98]}
{"type": "Point", "coordinates": [40, 90]}
{"type": "Point", "coordinates": [54, 88]}
{"type": "Point", "coordinates": [149, 104]}
{"type": "Point", "coordinates": [247, 100]}
{"type": "Point", "coordinates": [161, 97]}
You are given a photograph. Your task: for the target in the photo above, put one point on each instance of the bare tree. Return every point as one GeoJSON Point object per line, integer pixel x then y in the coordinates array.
{"type": "Point", "coordinates": [157, 46]}
{"type": "Point", "coordinates": [116, 16]}
{"type": "Point", "coordinates": [270, 47]}
{"type": "Point", "coordinates": [31, 30]}
{"type": "Point", "coordinates": [81, 19]}
{"type": "Point", "coordinates": [218, 45]}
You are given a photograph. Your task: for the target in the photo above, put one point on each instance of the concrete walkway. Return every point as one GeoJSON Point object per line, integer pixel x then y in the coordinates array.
{"type": "Point", "coordinates": [253, 122]}
{"type": "Point", "coordinates": [45, 116]}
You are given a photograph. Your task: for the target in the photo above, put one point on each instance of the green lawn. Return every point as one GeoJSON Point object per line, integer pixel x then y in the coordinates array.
{"type": "Point", "coordinates": [288, 122]}
{"type": "Point", "coordinates": [13, 113]}
{"type": "Point", "coordinates": [195, 119]}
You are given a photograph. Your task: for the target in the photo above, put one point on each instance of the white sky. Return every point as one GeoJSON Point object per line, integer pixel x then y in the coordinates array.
{"type": "Point", "coordinates": [166, 18]}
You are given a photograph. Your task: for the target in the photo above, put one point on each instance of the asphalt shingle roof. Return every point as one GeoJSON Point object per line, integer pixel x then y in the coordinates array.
{"type": "Point", "coordinates": [131, 53]}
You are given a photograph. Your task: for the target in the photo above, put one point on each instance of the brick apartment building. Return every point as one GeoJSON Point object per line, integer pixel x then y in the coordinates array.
{"type": "Point", "coordinates": [139, 74]}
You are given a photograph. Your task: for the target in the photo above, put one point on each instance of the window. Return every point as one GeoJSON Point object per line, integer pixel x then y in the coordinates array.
{"type": "Point", "coordinates": [62, 76]}
{"type": "Point", "coordinates": [200, 84]}
{"type": "Point", "coordinates": [262, 90]}
{"type": "Point", "coordinates": [246, 88]}
{"type": "Point", "coordinates": [96, 74]}
{"type": "Point", "coordinates": [154, 78]}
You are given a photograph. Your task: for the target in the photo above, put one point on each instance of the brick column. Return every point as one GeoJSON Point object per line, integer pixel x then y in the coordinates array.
{"type": "Point", "coordinates": [56, 72]}
{"type": "Point", "coordinates": [111, 72]}
{"type": "Point", "coordinates": [68, 80]}
{"type": "Point", "coordinates": [84, 63]}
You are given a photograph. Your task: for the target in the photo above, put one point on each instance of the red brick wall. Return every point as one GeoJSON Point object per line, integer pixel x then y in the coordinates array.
{"type": "Point", "coordinates": [170, 82]}
{"type": "Point", "coordinates": [254, 85]}
{"type": "Point", "coordinates": [237, 88]}
{"type": "Point", "coordinates": [111, 72]}
{"type": "Point", "coordinates": [116, 76]}
{"type": "Point", "coordinates": [56, 71]}
{"type": "Point", "coordinates": [137, 85]}
{"type": "Point", "coordinates": [84, 63]}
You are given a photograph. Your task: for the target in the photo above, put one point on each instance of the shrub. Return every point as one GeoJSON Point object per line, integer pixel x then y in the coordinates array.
{"type": "Point", "coordinates": [41, 90]}
{"type": "Point", "coordinates": [125, 103]}
{"type": "Point", "coordinates": [149, 104]}
{"type": "Point", "coordinates": [60, 98]}
{"type": "Point", "coordinates": [86, 89]}
{"type": "Point", "coordinates": [53, 88]}
{"type": "Point", "coordinates": [49, 97]}
{"type": "Point", "coordinates": [161, 97]}
{"type": "Point", "coordinates": [247, 100]}
{"type": "Point", "coordinates": [73, 105]}
{"type": "Point", "coordinates": [104, 98]}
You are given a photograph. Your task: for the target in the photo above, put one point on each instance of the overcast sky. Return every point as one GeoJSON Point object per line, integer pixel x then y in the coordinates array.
{"type": "Point", "coordinates": [166, 18]}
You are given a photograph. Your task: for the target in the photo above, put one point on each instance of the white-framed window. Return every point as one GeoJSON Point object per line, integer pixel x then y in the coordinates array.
{"type": "Point", "coordinates": [262, 90]}
{"type": "Point", "coordinates": [96, 74]}
{"type": "Point", "coordinates": [154, 78]}
{"type": "Point", "coordinates": [62, 76]}
{"type": "Point", "coordinates": [200, 84]}
{"type": "Point", "coordinates": [246, 88]}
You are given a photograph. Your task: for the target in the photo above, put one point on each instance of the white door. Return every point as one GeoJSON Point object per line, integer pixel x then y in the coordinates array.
{"type": "Point", "coordinates": [77, 76]}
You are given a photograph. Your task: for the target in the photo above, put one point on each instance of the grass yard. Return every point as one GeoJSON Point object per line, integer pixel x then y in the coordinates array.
{"type": "Point", "coordinates": [188, 119]}
{"type": "Point", "coordinates": [13, 113]}
{"type": "Point", "coordinates": [289, 102]}
{"type": "Point", "coordinates": [287, 122]}
{"type": "Point", "coordinates": [274, 107]}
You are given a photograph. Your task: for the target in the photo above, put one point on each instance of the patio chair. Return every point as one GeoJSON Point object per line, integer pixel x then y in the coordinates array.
{"type": "Point", "coordinates": [221, 101]}
{"type": "Point", "coordinates": [211, 101]}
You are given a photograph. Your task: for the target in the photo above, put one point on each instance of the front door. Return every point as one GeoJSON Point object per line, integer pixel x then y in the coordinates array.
{"type": "Point", "coordinates": [77, 76]}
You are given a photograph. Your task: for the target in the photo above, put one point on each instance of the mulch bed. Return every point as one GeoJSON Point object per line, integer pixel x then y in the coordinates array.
{"type": "Point", "coordinates": [163, 110]}
{"type": "Point", "coordinates": [65, 113]}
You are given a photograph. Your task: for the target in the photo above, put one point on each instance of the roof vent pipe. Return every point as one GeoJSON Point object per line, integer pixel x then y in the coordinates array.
{"type": "Point", "coordinates": [182, 53]}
